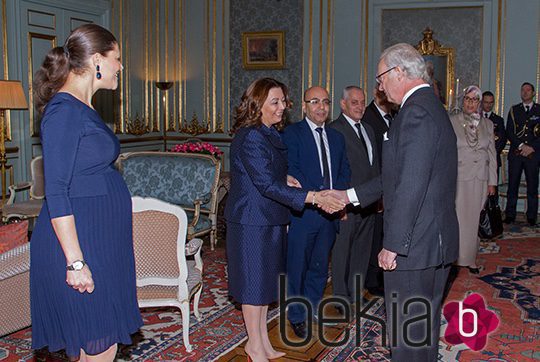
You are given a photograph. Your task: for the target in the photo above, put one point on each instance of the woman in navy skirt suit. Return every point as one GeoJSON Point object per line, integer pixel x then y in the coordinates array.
{"type": "Point", "coordinates": [257, 210]}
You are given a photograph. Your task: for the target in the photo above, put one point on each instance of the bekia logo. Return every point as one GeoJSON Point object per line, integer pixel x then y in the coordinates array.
{"type": "Point", "coordinates": [469, 322]}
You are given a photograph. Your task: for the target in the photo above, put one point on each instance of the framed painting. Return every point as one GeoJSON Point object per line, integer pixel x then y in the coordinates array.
{"type": "Point", "coordinates": [440, 66]}
{"type": "Point", "coordinates": [263, 50]}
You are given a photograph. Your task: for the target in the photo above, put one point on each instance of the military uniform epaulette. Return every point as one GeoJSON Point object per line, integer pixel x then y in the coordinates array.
{"type": "Point", "coordinates": [531, 123]}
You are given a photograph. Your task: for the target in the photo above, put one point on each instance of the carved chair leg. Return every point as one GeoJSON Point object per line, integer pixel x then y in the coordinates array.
{"type": "Point", "coordinates": [213, 238]}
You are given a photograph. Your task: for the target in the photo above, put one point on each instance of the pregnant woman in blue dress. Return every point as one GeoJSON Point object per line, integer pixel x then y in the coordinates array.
{"type": "Point", "coordinates": [257, 210]}
{"type": "Point", "coordinates": [82, 274]}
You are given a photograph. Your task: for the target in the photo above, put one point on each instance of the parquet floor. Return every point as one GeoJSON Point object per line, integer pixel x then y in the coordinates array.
{"type": "Point", "coordinates": [309, 352]}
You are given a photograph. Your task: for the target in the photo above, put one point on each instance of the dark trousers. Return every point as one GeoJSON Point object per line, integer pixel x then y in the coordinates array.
{"type": "Point", "coordinates": [374, 277]}
{"type": "Point", "coordinates": [308, 254]}
{"type": "Point", "coordinates": [402, 286]}
{"type": "Point", "coordinates": [350, 254]}
{"type": "Point", "coordinates": [516, 164]}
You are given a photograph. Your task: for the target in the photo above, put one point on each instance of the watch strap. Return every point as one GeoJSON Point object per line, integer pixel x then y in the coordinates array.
{"type": "Point", "coordinates": [72, 267]}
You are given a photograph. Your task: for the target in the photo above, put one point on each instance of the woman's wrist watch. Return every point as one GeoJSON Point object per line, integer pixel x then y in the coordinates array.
{"type": "Point", "coordinates": [76, 265]}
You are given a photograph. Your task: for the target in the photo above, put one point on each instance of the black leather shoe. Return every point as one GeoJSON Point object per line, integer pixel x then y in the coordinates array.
{"type": "Point", "coordinates": [509, 220]}
{"type": "Point", "coordinates": [531, 222]}
{"type": "Point", "coordinates": [474, 270]}
{"type": "Point", "coordinates": [339, 310]}
{"type": "Point", "coordinates": [299, 329]}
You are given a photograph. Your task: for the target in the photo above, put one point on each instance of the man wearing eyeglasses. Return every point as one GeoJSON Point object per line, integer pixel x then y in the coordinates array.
{"type": "Point", "coordinates": [318, 160]}
{"type": "Point", "coordinates": [419, 173]}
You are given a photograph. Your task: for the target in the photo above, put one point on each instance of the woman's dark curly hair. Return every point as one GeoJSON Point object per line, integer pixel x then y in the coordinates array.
{"type": "Point", "coordinates": [248, 113]}
{"type": "Point", "coordinates": [82, 43]}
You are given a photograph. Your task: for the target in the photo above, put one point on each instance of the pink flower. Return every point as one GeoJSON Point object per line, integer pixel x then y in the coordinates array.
{"type": "Point", "coordinates": [198, 147]}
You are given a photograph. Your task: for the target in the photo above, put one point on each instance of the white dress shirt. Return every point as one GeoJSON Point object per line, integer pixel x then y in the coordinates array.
{"type": "Point", "coordinates": [351, 194]}
{"type": "Point", "coordinates": [383, 114]}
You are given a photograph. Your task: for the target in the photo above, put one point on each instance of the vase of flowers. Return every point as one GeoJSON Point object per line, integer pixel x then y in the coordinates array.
{"type": "Point", "coordinates": [198, 147]}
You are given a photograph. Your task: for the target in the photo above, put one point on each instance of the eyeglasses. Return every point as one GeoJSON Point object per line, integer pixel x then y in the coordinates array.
{"type": "Point", "coordinates": [378, 77]}
{"type": "Point", "coordinates": [471, 100]}
{"type": "Point", "coordinates": [317, 101]}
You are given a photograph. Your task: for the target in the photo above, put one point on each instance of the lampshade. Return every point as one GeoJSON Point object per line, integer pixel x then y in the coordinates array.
{"type": "Point", "coordinates": [12, 95]}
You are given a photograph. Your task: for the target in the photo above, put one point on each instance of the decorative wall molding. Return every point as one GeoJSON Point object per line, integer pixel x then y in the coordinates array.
{"type": "Point", "coordinates": [182, 42]}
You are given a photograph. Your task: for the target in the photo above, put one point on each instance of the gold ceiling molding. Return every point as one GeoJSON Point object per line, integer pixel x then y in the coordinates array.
{"type": "Point", "coordinates": [156, 66]}
{"type": "Point", "coordinates": [155, 90]}
{"type": "Point", "coordinates": [195, 127]}
{"type": "Point", "coordinates": [430, 46]}
{"type": "Point", "coordinates": [324, 71]}
{"type": "Point", "coordinates": [206, 101]}
{"type": "Point", "coordinates": [221, 129]}
{"type": "Point", "coordinates": [127, 66]}
{"type": "Point", "coordinates": [310, 45]}
{"type": "Point", "coordinates": [503, 63]}
{"type": "Point", "coordinates": [146, 80]}
{"type": "Point", "coordinates": [214, 84]}
{"type": "Point", "coordinates": [137, 126]}
{"type": "Point", "coordinates": [7, 113]}
{"type": "Point", "coordinates": [31, 36]}
{"type": "Point", "coordinates": [538, 56]}
{"type": "Point", "coordinates": [329, 47]}
{"type": "Point", "coordinates": [498, 66]}
{"type": "Point", "coordinates": [366, 39]}
{"type": "Point", "coordinates": [320, 59]}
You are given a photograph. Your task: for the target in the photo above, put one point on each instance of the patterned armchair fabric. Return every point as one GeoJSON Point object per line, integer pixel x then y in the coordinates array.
{"type": "Point", "coordinates": [164, 276]}
{"type": "Point", "coordinates": [15, 289]}
{"type": "Point", "coordinates": [36, 188]}
{"type": "Point", "coordinates": [187, 180]}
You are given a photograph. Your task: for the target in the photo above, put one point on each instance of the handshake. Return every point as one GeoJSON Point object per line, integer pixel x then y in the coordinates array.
{"type": "Point", "coordinates": [330, 201]}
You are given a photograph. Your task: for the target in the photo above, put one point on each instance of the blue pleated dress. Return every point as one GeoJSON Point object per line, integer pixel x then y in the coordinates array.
{"type": "Point", "coordinates": [78, 154]}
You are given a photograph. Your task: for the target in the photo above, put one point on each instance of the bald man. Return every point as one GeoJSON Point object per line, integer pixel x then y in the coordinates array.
{"type": "Point", "coordinates": [318, 160]}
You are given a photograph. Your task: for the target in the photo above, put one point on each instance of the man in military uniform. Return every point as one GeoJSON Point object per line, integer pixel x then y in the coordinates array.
{"type": "Point", "coordinates": [488, 100]}
{"type": "Point", "coordinates": [523, 131]}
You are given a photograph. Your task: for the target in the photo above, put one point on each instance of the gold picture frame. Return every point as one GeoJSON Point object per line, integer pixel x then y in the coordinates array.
{"type": "Point", "coordinates": [443, 59]}
{"type": "Point", "coordinates": [263, 49]}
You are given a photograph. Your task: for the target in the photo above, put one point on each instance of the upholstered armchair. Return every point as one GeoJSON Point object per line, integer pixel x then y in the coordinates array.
{"type": "Point", "coordinates": [36, 187]}
{"type": "Point", "coordinates": [164, 276]}
{"type": "Point", "coordinates": [186, 179]}
{"type": "Point", "coordinates": [15, 289]}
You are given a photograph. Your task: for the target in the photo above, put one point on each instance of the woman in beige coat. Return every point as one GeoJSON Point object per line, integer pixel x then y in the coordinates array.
{"type": "Point", "coordinates": [477, 173]}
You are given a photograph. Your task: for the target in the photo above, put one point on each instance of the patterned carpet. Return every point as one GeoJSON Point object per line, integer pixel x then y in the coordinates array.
{"type": "Point", "coordinates": [509, 282]}
{"type": "Point", "coordinates": [510, 285]}
{"type": "Point", "coordinates": [220, 328]}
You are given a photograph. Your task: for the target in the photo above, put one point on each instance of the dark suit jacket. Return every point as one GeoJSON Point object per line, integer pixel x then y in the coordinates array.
{"type": "Point", "coordinates": [304, 162]}
{"type": "Point", "coordinates": [361, 170]}
{"type": "Point", "coordinates": [259, 194]}
{"type": "Point", "coordinates": [373, 118]}
{"type": "Point", "coordinates": [500, 135]}
{"type": "Point", "coordinates": [419, 184]}
{"type": "Point", "coordinates": [517, 120]}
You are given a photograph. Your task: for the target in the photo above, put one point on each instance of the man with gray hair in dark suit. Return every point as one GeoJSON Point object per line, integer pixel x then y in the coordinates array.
{"type": "Point", "coordinates": [352, 249]}
{"type": "Point", "coordinates": [419, 188]}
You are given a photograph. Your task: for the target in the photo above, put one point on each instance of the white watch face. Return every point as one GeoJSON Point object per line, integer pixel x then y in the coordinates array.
{"type": "Point", "coordinates": [78, 265]}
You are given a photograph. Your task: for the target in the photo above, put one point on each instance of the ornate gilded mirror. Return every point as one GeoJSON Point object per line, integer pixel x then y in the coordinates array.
{"type": "Point", "coordinates": [440, 64]}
